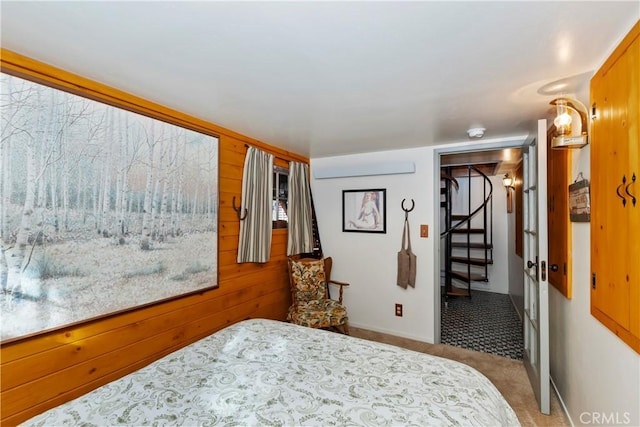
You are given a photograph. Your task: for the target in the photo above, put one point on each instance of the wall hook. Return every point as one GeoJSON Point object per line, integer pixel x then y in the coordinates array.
{"type": "Point", "coordinates": [406, 211]}
{"type": "Point", "coordinates": [624, 180]}
{"type": "Point", "coordinates": [238, 210]}
{"type": "Point", "coordinates": [626, 189]}
{"type": "Point", "coordinates": [413, 205]}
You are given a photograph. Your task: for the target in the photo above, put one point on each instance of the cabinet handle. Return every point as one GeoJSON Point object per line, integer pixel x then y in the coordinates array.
{"type": "Point", "coordinates": [624, 180]}
{"type": "Point", "coordinates": [626, 189]}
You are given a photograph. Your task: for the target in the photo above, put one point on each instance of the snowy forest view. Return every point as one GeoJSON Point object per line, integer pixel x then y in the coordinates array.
{"type": "Point", "coordinates": [101, 209]}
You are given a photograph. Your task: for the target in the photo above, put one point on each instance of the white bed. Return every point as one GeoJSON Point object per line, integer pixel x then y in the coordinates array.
{"type": "Point", "coordinates": [264, 372]}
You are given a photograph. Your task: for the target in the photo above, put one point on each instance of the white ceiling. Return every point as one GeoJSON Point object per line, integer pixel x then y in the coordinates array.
{"type": "Point", "coordinates": [330, 78]}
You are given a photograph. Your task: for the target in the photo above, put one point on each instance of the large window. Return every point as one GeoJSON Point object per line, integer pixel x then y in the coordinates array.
{"type": "Point", "coordinates": [280, 197]}
{"type": "Point", "coordinates": [101, 209]}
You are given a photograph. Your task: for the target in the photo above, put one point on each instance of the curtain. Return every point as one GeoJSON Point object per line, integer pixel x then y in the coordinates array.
{"type": "Point", "coordinates": [300, 237]}
{"type": "Point", "coordinates": [254, 244]}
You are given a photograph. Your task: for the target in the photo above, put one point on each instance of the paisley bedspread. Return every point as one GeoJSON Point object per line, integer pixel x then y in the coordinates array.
{"type": "Point", "coordinates": [269, 373]}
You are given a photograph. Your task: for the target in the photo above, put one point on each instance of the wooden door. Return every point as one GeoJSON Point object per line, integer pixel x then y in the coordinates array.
{"type": "Point", "coordinates": [559, 231]}
{"type": "Point", "coordinates": [615, 192]}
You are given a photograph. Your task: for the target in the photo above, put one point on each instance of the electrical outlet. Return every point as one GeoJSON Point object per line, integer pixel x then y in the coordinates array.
{"type": "Point", "coordinates": [399, 310]}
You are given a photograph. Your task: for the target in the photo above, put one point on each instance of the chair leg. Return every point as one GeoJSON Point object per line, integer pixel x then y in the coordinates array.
{"type": "Point", "coordinates": [345, 328]}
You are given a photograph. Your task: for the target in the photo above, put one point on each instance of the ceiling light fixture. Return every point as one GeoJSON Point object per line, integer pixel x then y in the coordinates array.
{"type": "Point", "coordinates": [476, 132]}
{"type": "Point", "coordinates": [565, 135]}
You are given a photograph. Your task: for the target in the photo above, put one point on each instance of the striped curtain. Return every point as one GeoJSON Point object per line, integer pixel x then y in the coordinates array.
{"type": "Point", "coordinates": [300, 234]}
{"type": "Point", "coordinates": [254, 244]}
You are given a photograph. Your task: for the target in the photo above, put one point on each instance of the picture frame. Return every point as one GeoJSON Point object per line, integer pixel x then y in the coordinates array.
{"type": "Point", "coordinates": [125, 210]}
{"type": "Point", "coordinates": [364, 210]}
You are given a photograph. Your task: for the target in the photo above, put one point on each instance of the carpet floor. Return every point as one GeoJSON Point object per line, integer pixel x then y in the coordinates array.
{"type": "Point", "coordinates": [507, 374]}
{"type": "Point", "coordinates": [486, 322]}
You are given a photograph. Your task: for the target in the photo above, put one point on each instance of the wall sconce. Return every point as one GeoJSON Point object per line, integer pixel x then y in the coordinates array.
{"type": "Point", "coordinates": [567, 135]}
{"type": "Point", "coordinates": [509, 183]}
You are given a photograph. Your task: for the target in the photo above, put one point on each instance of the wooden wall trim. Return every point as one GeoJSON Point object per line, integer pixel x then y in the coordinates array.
{"type": "Point", "coordinates": [30, 69]}
{"type": "Point", "coordinates": [559, 167]}
{"type": "Point", "coordinates": [618, 51]}
{"type": "Point", "coordinates": [519, 222]}
{"type": "Point", "coordinates": [43, 371]}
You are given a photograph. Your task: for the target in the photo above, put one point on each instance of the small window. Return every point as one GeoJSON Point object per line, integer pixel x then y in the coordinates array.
{"type": "Point", "coordinates": [280, 197]}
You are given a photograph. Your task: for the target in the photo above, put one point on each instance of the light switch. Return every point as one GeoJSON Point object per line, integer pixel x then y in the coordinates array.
{"type": "Point", "coordinates": [424, 230]}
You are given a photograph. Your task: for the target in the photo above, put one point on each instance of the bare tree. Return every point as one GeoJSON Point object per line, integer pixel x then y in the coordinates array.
{"type": "Point", "coordinates": [16, 255]}
{"type": "Point", "coordinates": [173, 203]}
{"type": "Point", "coordinates": [75, 112]}
{"type": "Point", "coordinates": [155, 202]}
{"type": "Point", "coordinates": [7, 113]}
{"type": "Point", "coordinates": [177, 223]}
{"type": "Point", "coordinates": [121, 178]}
{"type": "Point", "coordinates": [168, 206]}
{"type": "Point", "coordinates": [8, 107]}
{"type": "Point", "coordinates": [89, 157]}
{"type": "Point", "coordinates": [106, 186]}
{"type": "Point", "coordinates": [145, 242]}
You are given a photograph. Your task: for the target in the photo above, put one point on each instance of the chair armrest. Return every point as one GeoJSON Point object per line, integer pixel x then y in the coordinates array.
{"type": "Point", "coordinates": [341, 284]}
{"type": "Point", "coordinates": [338, 283]}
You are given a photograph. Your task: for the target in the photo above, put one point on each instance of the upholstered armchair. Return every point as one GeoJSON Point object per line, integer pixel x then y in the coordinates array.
{"type": "Point", "coordinates": [312, 305]}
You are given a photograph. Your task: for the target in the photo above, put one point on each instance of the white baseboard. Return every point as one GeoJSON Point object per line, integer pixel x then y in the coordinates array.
{"type": "Point", "coordinates": [564, 407]}
{"type": "Point", "coordinates": [515, 307]}
{"type": "Point", "coordinates": [428, 340]}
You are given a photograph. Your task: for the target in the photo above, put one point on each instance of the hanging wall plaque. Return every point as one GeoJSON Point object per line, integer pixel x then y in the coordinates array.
{"type": "Point", "coordinates": [579, 200]}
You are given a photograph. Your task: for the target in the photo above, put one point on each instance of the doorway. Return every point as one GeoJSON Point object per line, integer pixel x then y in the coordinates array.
{"type": "Point", "coordinates": [486, 320]}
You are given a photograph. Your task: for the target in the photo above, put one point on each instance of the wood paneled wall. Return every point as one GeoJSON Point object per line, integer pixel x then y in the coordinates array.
{"type": "Point", "coordinates": [43, 371]}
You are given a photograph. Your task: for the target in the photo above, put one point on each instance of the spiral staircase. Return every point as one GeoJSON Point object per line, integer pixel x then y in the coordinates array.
{"type": "Point", "coordinates": [467, 223]}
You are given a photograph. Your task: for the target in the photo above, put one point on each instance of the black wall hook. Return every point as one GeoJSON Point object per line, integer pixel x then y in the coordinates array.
{"type": "Point", "coordinates": [406, 211]}
{"type": "Point", "coordinates": [238, 209]}
{"type": "Point", "coordinates": [413, 205]}
{"type": "Point", "coordinates": [626, 189]}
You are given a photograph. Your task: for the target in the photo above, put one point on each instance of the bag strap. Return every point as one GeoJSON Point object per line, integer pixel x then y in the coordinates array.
{"type": "Point", "coordinates": [406, 235]}
{"type": "Point", "coordinates": [406, 222]}
{"type": "Point", "coordinates": [404, 231]}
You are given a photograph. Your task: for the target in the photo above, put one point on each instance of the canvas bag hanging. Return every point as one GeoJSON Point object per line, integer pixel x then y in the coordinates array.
{"type": "Point", "coordinates": [406, 260]}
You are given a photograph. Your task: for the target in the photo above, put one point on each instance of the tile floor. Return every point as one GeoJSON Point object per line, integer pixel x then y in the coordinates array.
{"type": "Point", "coordinates": [486, 322]}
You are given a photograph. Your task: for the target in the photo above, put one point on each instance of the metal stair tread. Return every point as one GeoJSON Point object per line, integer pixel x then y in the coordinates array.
{"type": "Point", "coordinates": [471, 260]}
{"type": "Point", "coordinates": [457, 292]}
{"type": "Point", "coordinates": [468, 230]}
{"type": "Point", "coordinates": [458, 217]}
{"type": "Point", "coordinates": [472, 245]}
{"type": "Point", "coordinates": [460, 224]}
{"type": "Point", "coordinates": [462, 275]}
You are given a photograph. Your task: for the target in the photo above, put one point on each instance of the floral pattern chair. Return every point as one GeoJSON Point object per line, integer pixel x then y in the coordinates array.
{"type": "Point", "coordinates": [312, 305]}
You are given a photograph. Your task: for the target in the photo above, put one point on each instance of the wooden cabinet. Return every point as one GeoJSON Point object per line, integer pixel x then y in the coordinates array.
{"type": "Point", "coordinates": [615, 191]}
{"type": "Point", "coordinates": [558, 227]}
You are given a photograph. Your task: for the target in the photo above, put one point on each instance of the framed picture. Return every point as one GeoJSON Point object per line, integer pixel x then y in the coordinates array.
{"type": "Point", "coordinates": [102, 210]}
{"type": "Point", "coordinates": [364, 211]}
